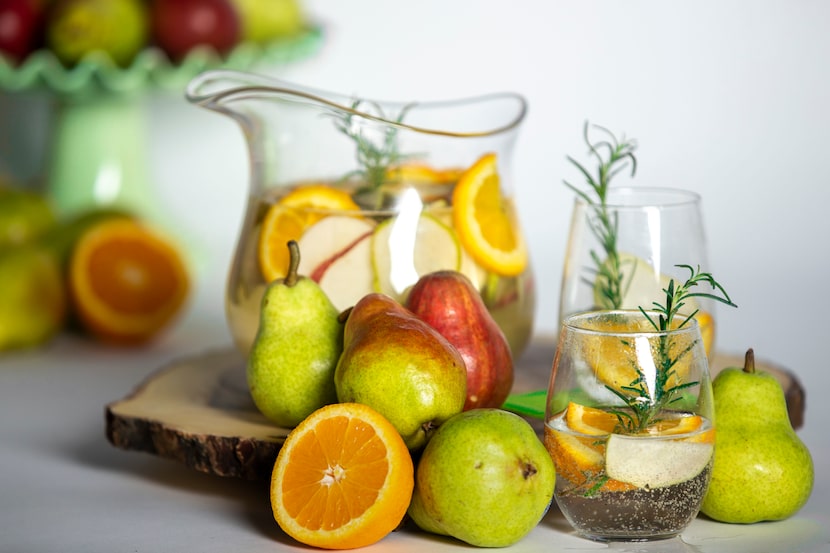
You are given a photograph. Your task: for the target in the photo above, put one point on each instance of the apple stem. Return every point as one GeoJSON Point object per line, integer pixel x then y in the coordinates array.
{"type": "Point", "coordinates": [293, 263]}
{"type": "Point", "coordinates": [749, 361]}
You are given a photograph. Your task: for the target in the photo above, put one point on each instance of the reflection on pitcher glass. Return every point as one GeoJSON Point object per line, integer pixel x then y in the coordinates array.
{"type": "Point", "coordinates": [376, 194]}
{"type": "Point", "coordinates": [629, 424]}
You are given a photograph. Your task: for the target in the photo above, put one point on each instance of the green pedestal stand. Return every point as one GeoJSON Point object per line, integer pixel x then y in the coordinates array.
{"type": "Point", "coordinates": [96, 155]}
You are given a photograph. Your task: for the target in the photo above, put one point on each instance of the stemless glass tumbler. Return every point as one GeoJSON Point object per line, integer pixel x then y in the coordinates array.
{"type": "Point", "coordinates": [629, 424]}
{"type": "Point", "coordinates": [623, 254]}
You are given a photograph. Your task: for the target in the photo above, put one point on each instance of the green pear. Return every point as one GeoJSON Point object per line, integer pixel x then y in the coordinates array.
{"type": "Point", "coordinates": [291, 363]}
{"type": "Point", "coordinates": [32, 297]}
{"type": "Point", "coordinates": [484, 478]}
{"type": "Point", "coordinates": [402, 367]}
{"type": "Point", "coordinates": [762, 470]}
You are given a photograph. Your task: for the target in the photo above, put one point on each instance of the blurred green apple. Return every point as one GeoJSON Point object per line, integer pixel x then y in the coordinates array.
{"type": "Point", "coordinates": [25, 215]}
{"type": "Point", "coordinates": [267, 20]}
{"type": "Point", "coordinates": [118, 28]}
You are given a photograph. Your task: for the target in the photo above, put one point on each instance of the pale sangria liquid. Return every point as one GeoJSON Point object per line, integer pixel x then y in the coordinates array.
{"type": "Point", "coordinates": [510, 299]}
{"type": "Point", "coordinates": [630, 487]}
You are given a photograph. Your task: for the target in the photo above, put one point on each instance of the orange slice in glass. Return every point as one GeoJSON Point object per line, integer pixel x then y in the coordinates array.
{"type": "Point", "coordinates": [580, 460]}
{"type": "Point", "coordinates": [590, 421]}
{"type": "Point", "coordinates": [126, 281]}
{"type": "Point", "coordinates": [485, 221]}
{"type": "Point", "coordinates": [287, 220]}
{"type": "Point", "coordinates": [342, 479]}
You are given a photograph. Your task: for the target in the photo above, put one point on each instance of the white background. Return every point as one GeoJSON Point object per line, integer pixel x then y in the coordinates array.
{"type": "Point", "coordinates": [728, 99]}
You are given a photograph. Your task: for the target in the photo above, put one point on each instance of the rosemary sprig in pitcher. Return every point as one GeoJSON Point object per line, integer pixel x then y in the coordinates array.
{"type": "Point", "coordinates": [374, 155]}
{"type": "Point", "coordinates": [612, 156]}
{"type": "Point", "coordinates": [646, 405]}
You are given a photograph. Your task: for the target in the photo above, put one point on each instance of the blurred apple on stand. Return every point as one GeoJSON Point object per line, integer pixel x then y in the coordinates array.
{"type": "Point", "coordinates": [182, 25]}
{"type": "Point", "coordinates": [20, 27]}
{"type": "Point", "coordinates": [74, 28]}
{"type": "Point", "coordinates": [267, 20]}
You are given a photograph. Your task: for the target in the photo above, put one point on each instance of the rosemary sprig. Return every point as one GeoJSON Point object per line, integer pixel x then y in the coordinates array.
{"type": "Point", "coordinates": [645, 405]}
{"type": "Point", "coordinates": [374, 157]}
{"type": "Point", "coordinates": [612, 156]}
{"type": "Point", "coordinates": [677, 294]}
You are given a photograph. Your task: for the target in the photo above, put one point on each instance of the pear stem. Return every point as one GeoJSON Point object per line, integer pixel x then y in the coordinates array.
{"type": "Point", "coordinates": [749, 361]}
{"type": "Point", "coordinates": [293, 264]}
{"type": "Point", "coordinates": [344, 315]}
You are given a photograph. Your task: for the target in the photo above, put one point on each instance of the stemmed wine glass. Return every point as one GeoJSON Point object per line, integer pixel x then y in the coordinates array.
{"type": "Point", "coordinates": [626, 244]}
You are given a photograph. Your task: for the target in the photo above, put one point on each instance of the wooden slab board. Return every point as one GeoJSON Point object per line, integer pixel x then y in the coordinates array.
{"type": "Point", "coordinates": [197, 411]}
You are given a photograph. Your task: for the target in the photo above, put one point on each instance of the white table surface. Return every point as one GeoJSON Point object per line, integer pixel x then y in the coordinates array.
{"type": "Point", "coordinates": [64, 488]}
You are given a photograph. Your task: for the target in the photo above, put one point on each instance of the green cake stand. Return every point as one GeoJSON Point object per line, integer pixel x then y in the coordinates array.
{"type": "Point", "coordinates": [96, 155]}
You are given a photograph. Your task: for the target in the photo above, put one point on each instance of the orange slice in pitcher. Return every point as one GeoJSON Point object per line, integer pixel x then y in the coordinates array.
{"type": "Point", "coordinates": [342, 479]}
{"type": "Point", "coordinates": [287, 220]}
{"type": "Point", "coordinates": [485, 222]}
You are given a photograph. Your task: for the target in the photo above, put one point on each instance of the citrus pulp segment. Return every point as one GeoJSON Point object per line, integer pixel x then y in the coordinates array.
{"type": "Point", "coordinates": [126, 281]}
{"type": "Point", "coordinates": [342, 479]}
{"type": "Point", "coordinates": [485, 223]}
{"type": "Point", "coordinates": [290, 217]}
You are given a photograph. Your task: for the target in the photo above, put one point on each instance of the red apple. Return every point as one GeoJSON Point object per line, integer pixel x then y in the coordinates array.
{"type": "Point", "coordinates": [20, 27]}
{"type": "Point", "coordinates": [179, 26]}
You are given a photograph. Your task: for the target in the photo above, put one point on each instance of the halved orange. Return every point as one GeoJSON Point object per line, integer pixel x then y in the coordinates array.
{"type": "Point", "coordinates": [342, 479]}
{"type": "Point", "coordinates": [290, 217]}
{"type": "Point", "coordinates": [127, 281]}
{"type": "Point", "coordinates": [485, 220]}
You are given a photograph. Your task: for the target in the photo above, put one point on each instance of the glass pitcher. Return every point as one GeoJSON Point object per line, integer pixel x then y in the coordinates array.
{"type": "Point", "coordinates": [376, 194]}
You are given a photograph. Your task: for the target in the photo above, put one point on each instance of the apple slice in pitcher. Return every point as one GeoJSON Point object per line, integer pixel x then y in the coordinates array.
{"type": "Point", "coordinates": [334, 252]}
{"type": "Point", "coordinates": [405, 248]}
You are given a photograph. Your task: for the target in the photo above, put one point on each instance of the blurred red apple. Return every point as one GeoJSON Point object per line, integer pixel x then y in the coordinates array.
{"type": "Point", "coordinates": [20, 27]}
{"type": "Point", "coordinates": [182, 25]}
